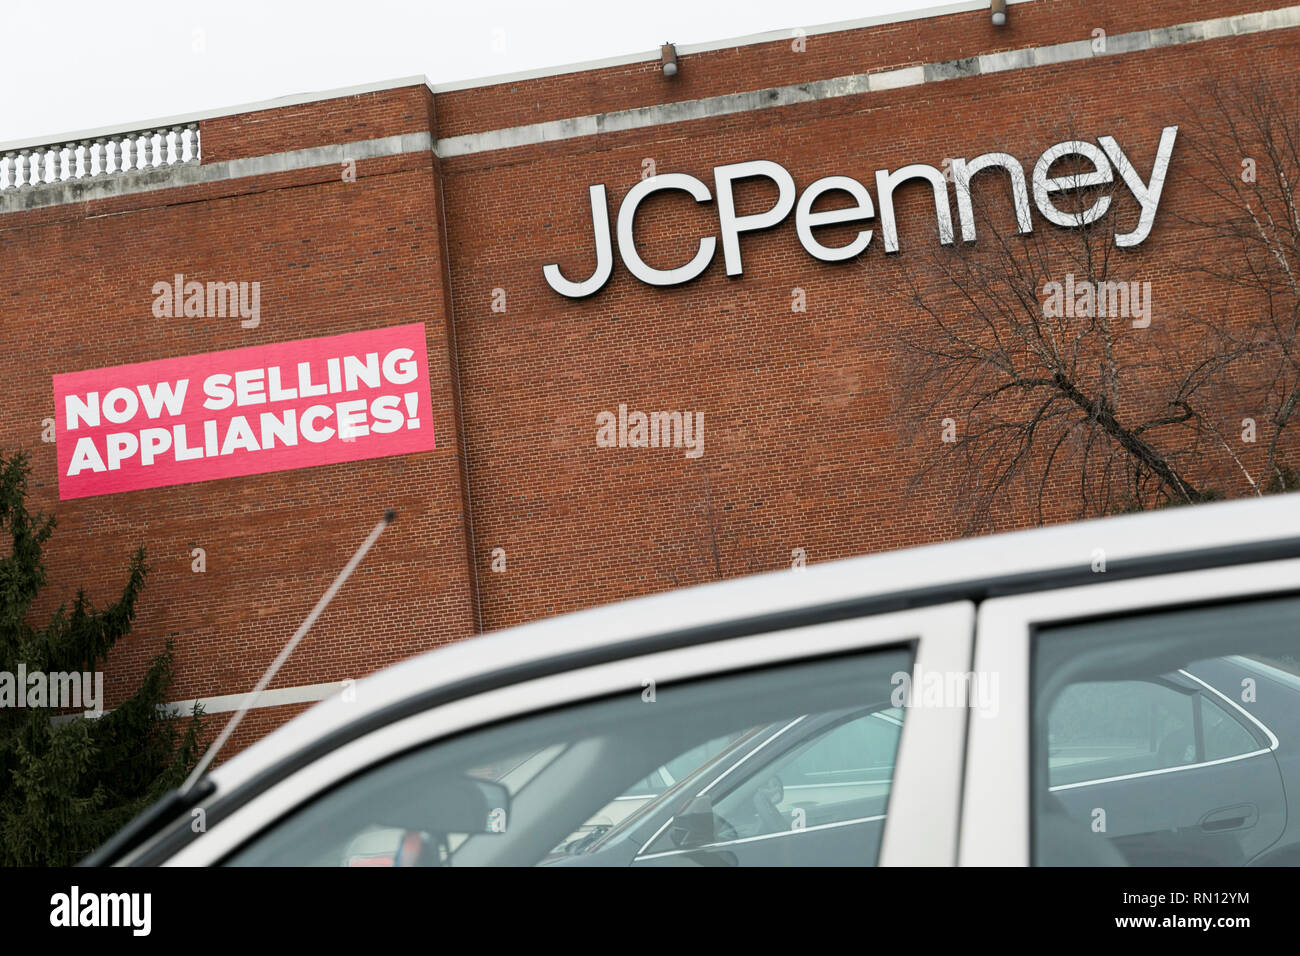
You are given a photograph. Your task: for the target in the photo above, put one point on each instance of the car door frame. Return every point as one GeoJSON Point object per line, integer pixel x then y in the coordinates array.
{"type": "Point", "coordinates": [923, 809]}
{"type": "Point", "coordinates": [996, 814]}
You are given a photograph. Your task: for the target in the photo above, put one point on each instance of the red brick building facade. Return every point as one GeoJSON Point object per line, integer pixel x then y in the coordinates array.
{"type": "Point", "coordinates": [408, 203]}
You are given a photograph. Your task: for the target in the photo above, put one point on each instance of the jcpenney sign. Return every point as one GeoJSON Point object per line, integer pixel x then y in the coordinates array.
{"type": "Point", "coordinates": [1101, 163]}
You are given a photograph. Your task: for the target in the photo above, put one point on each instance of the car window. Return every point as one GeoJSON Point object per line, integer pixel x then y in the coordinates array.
{"type": "Point", "coordinates": [1168, 738]}
{"type": "Point", "coordinates": [644, 791]}
{"type": "Point", "coordinates": [646, 787]}
{"type": "Point", "coordinates": [1102, 729]}
{"type": "Point", "coordinates": [1225, 736]}
{"type": "Point", "coordinates": [683, 764]}
{"type": "Point", "coordinates": [833, 769]}
{"type": "Point", "coordinates": [859, 752]}
{"type": "Point", "coordinates": [454, 802]}
{"type": "Point", "coordinates": [673, 770]}
{"type": "Point", "coordinates": [644, 823]}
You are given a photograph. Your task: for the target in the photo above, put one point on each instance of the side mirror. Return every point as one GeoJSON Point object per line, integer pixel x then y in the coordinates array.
{"type": "Point", "coordinates": [695, 824]}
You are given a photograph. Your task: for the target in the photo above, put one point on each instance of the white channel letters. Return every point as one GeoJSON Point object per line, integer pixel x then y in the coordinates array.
{"type": "Point", "coordinates": [1103, 159]}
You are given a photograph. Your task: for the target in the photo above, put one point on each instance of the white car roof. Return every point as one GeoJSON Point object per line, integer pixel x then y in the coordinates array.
{"type": "Point", "coordinates": [1146, 535]}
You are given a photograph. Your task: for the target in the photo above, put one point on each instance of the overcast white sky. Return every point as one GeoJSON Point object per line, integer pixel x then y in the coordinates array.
{"type": "Point", "coordinates": [66, 67]}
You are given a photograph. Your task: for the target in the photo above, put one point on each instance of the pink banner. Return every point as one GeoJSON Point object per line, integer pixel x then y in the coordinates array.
{"type": "Point", "coordinates": [243, 412]}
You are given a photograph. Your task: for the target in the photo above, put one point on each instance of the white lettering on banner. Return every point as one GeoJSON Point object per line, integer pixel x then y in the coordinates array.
{"type": "Point", "coordinates": [351, 418]}
{"type": "Point", "coordinates": [354, 418]}
{"type": "Point", "coordinates": [252, 386]}
{"type": "Point", "coordinates": [1104, 161]}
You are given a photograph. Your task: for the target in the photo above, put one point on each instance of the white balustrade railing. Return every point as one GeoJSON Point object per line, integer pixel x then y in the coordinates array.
{"type": "Point", "coordinates": [116, 154]}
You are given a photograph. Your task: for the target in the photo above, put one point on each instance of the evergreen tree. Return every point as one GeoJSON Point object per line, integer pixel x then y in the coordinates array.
{"type": "Point", "coordinates": [68, 782]}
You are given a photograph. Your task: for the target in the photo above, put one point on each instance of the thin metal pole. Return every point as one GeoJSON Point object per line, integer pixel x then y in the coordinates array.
{"type": "Point", "coordinates": [283, 656]}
